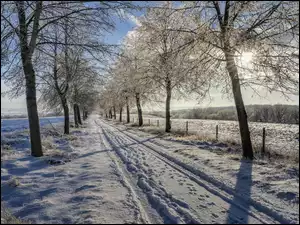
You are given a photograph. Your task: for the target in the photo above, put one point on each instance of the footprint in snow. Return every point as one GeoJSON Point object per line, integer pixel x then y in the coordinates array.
{"type": "Point", "coordinates": [202, 206]}
{"type": "Point", "coordinates": [85, 166]}
{"type": "Point", "coordinates": [214, 215]}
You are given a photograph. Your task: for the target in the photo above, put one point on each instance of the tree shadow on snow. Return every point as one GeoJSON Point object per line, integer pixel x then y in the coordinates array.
{"type": "Point", "coordinates": [32, 164]}
{"type": "Point", "coordinates": [243, 185]}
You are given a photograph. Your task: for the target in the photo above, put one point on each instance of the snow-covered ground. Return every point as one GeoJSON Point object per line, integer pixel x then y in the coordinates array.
{"type": "Point", "coordinates": [8, 125]}
{"type": "Point", "coordinates": [119, 175]}
{"type": "Point", "coordinates": [89, 189]}
{"type": "Point", "coordinates": [282, 139]}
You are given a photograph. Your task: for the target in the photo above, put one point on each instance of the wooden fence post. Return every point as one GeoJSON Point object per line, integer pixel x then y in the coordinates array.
{"type": "Point", "coordinates": [263, 141]}
{"type": "Point", "coordinates": [132, 119]}
{"type": "Point", "coordinates": [217, 132]}
{"type": "Point", "coordinates": [186, 127]}
{"type": "Point", "coordinates": [149, 122]}
{"type": "Point", "coordinates": [158, 123]}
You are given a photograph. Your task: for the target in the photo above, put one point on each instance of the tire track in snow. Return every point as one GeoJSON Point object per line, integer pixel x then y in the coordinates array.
{"type": "Point", "coordinates": [213, 187]}
{"type": "Point", "coordinates": [172, 210]}
{"type": "Point", "coordinates": [265, 209]}
{"type": "Point", "coordinates": [261, 209]}
{"type": "Point", "coordinates": [141, 215]}
{"type": "Point", "coordinates": [163, 200]}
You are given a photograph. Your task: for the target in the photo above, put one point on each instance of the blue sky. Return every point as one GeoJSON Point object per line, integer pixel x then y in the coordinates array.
{"type": "Point", "coordinates": [122, 28]}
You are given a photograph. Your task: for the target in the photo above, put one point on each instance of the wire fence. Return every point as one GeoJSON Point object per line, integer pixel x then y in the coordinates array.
{"type": "Point", "coordinates": [282, 139]}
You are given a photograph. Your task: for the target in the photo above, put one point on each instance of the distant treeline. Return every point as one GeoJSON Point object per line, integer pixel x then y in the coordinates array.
{"type": "Point", "coordinates": [7, 116]}
{"type": "Point", "coordinates": [256, 113]}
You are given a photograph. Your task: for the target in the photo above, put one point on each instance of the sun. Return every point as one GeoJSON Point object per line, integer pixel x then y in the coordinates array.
{"type": "Point", "coordinates": [246, 57]}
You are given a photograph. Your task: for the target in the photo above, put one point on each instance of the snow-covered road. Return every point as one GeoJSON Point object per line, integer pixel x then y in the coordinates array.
{"type": "Point", "coordinates": [89, 189]}
{"type": "Point", "coordinates": [122, 175]}
{"type": "Point", "coordinates": [177, 192]}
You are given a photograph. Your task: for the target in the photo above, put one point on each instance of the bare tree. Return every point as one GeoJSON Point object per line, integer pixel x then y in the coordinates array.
{"type": "Point", "coordinates": [265, 114]}
{"type": "Point", "coordinates": [25, 31]}
{"type": "Point", "coordinates": [30, 31]}
{"type": "Point", "coordinates": [127, 85]}
{"type": "Point", "coordinates": [64, 63]}
{"type": "Point", "coordinates": [279, 112]}
{"type": "Point", "coordinates": [268, 30]}
{"type": "Point", "coordinates": [171, 63]}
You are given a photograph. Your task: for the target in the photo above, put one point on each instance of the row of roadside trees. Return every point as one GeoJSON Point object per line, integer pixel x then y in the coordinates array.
{"type": "Point", "coordinates": [177, 51]}
{"type": "Point", "coordinates": [53, 47]}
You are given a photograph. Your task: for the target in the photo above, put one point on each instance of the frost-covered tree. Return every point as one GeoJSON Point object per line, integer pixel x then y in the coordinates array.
{"type": "Point", "coordinates": [170, 61]}
{"type": "Point", "coordinates": [255, 42]}
{"type": "Point", "coordinates": [24, 31]}
{"type": "Point", "coordinates": [132, 74]}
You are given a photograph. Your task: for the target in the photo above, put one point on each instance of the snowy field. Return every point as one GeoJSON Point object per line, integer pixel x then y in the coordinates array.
{"type": "Point", "coordinates": [282, 139]}
{"type": "Point", "coordinates": [8, 125]}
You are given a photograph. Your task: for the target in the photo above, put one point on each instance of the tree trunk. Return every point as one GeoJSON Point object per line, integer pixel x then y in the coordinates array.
{"type": "Point", "coordinates": [139, 108]}
{"type": "Point", "coordinates": [110, 114]}
{"type": "Point", "coordinates": [168, 102]}
{"type": "Point", "coordinates": [240, 108]}
{"type": "Point", "coordinates": [84, 113]}
{"type": "Point", "coordinates": [120, 118]}
{"type": "Point", "coordinates": [127, 109]}
{"type": "Point", "coordinates": [75, 115]}
{"type": "Point", "coordinates": [66, 115]}
{"type": "Point", "coordinates": [27, 50]}
{"type": "Point", "coordinates": [115, 116]}
{"type": "Point", "coordinates": [106, 115]}
{"type": "Point", "coordinates": [78, 114]}
{"type": "Point", "coordinates": [33, 118]}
